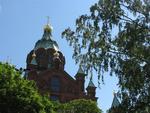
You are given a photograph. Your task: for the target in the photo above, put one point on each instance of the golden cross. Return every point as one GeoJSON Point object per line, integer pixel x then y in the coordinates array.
{"type": "Point", "coordinates": [47, 20]}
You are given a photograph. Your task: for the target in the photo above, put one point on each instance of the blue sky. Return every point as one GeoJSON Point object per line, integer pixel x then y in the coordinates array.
{"type": "Point", "coordinates": [21, 25]}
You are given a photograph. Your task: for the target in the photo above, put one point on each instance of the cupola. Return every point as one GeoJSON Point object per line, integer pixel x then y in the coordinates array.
{"type": "Point", "coordinates": [46, 42]}
{"type": "Point", "coordinates": [46, 54]}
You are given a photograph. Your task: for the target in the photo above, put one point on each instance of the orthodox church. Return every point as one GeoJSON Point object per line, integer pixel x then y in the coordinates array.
{"type": "Point", "coordinates": [45, 65]}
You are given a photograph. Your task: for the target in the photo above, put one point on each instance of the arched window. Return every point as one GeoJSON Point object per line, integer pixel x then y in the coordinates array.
{"type": "Point", "coordinates": [50, 59]}
{"type": "Point", "coordinates": [55, 84]}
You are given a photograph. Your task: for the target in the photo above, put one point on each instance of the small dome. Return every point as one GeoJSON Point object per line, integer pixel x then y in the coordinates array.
{"type": "Point", "coordinates": [48, 28]}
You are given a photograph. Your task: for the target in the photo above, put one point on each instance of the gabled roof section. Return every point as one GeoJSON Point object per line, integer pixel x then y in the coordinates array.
{"type": "Point", "coordinates": [115, 102]}
{"type": "Point", "coordinates": [67, 75]}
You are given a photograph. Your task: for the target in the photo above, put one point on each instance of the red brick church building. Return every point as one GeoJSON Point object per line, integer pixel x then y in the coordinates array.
{"type": "Point", "coordinates": [45, 65]}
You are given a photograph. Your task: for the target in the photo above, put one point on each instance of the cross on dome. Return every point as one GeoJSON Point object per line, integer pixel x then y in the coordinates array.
{"type": "Point", "coordinates": [48, 28]}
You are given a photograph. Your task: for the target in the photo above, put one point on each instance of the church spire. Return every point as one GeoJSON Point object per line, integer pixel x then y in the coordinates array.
{"type": "Point", "coordinates": [115, 102]}
{"type": "Point", "coordinates": [91, 84]}
{"type": "Point", "coordinates": [48, 28]}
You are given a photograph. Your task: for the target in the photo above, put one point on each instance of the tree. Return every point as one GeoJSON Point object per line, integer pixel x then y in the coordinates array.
{"type": "Point", "coordinates": [83, 106]}
{"type": "Point", "coordinates": [115, 38]}
{"type": "Point", "coordinates": [18, 95]}
{"type": "Point", "coordinates": [78, 106]}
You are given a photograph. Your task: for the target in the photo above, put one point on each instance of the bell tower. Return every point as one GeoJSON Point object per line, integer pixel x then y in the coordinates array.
{"type": "Point", "coordinates": [91, 91]}
{"type": "Point", "coordinates": [80, 80]}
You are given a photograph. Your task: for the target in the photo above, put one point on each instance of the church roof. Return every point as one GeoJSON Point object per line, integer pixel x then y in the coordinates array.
{"type": "Point", "coordinates": [115, 102]}
{"type": "Point", "coordinates": [91, 84]}
{"type": "Point", "coordinates": [46, 42]}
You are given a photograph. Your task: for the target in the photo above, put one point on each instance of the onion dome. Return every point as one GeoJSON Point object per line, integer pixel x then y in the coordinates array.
{"type": "Point", "coordinates": [46, 42]}
{"type": "Point", "coordinates": [46, 54]}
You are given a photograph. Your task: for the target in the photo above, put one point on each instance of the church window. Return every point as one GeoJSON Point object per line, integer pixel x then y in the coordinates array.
{"type": "Point", "coordinates": [55, 84]}
{"type": "Point", "coordinates": [54, 98]}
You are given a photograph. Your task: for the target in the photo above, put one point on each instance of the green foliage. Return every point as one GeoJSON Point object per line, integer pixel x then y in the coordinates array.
{"type": "Point", "coordinates": [78, 106]}
{"type": "Point", "coordinates": [115, 38]}
{"type": "Point", "coordinates": [18, 95]}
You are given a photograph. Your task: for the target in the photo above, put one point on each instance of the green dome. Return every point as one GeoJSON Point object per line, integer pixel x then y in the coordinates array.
{"type": "Point", "coordinates": [46, 42]}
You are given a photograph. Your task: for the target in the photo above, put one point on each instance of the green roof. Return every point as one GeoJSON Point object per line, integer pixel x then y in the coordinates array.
{"type": "Point", "coordinates": [91, 84]}
{"type": "Point", "coordinates": [46, 42]}
{"type": "Point", "coordinates": [115, 102]}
